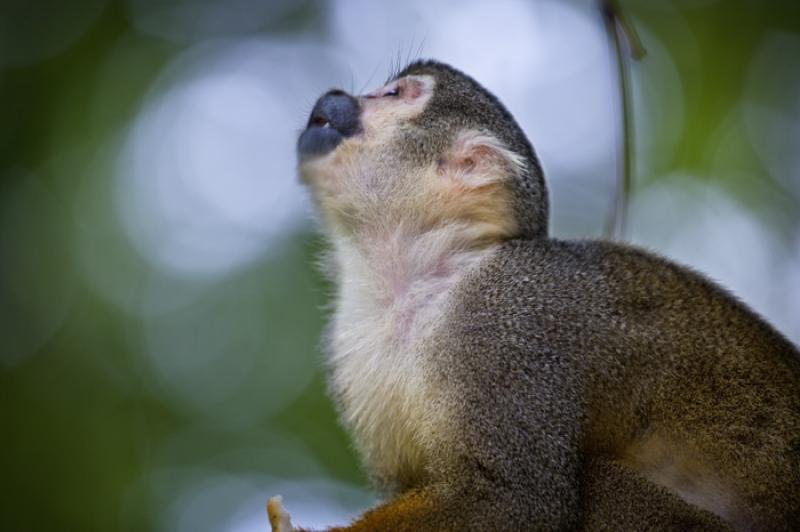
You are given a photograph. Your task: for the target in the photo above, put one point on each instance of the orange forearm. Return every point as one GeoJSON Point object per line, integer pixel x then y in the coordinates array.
{"type": "Point", "coordinates": [414, 511]}
{"type": "Point", "coordinates": [410, 512]}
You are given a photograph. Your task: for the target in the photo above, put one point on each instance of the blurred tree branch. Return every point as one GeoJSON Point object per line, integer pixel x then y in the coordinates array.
{"type": "Point", "coordinates": [626, 45]}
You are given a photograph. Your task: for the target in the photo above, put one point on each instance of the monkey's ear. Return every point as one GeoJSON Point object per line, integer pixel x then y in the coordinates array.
{"type": "Point", "coordinates": [477, 159]}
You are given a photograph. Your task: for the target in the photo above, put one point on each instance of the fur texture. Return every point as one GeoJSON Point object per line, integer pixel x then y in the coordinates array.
{"type": "Point", "coordinates": [390, 300]}
{"type": "Point", "coordinates": [497, 379]}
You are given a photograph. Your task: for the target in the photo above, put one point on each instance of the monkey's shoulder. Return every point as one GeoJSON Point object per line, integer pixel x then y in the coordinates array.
{"type": "Point", "coordinates": [583, 274]}
{"type": "Point", "coordinates": [590, 290]}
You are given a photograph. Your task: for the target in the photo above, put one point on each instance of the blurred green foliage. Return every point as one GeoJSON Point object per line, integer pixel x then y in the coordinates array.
{"type": "Point", "coordinates": [86, 426]}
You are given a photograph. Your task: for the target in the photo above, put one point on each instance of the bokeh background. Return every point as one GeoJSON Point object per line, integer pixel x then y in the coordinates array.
{"type": "Point", "coordinates": [159, 308]}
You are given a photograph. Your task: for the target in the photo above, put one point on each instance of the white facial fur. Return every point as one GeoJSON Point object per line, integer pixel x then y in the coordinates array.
{"type": "Point", "coordinates": [402, 238]}
{"type": "Point", "coordinates": [357, 163]}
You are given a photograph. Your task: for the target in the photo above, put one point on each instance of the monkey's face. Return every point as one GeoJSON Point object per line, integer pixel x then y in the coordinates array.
{"type": "Point", "coordinates": [414, 153]}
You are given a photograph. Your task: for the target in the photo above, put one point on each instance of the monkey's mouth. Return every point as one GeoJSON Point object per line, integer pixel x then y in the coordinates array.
{"type": "Point", "coordinates": [335, 116]}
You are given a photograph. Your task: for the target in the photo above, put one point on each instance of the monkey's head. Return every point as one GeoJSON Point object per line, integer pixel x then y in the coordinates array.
{"type": "Point", "coordinates": [429, 149]}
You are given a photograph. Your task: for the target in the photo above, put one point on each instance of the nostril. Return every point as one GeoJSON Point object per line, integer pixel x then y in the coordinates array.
{"type": "Point", "coordinates": [335, 116]}
{"type": "Point", "coordinates": [336, 110]}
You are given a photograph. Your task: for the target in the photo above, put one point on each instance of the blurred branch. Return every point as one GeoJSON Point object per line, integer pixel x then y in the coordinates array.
{"type": "Point", "coordinates": [626, 44]}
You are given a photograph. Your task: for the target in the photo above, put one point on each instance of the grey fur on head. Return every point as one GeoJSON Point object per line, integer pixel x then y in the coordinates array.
{"type": "Point", "coordinates": [461, 102]}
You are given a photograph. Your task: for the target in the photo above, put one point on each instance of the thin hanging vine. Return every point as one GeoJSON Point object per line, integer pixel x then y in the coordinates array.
{"type": "Point", "coordinates": [626, 45]}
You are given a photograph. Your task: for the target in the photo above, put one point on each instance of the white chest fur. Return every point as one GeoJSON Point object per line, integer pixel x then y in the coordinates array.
{"type": "Point", "coordinates": [390, 302]}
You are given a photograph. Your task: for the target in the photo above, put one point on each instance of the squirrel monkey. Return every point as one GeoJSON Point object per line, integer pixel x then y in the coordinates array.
{"type": "Point", "coordinates": [495, 378]}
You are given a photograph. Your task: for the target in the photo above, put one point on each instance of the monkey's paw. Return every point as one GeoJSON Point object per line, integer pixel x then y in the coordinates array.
{"type": "Point", "coordinates": [279, 518]}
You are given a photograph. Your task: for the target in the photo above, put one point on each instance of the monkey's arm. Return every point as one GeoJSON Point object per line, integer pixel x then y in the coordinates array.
{"type": "Point", "coordinates": [412, 511]}
{"type": "Point", "coordinates": [423, 510]}
{"type": "Point", "coordinates": [614, 498]}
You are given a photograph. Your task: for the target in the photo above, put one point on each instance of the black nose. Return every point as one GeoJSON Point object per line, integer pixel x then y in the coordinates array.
{"type": "Point", "coordinates": [335, 116]}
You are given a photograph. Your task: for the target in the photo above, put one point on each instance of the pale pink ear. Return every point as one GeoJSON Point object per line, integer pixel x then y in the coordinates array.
{"type": "Point", "coordinates": [476, 159]}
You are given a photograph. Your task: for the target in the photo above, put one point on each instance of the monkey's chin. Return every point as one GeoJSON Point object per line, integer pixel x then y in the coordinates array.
{"type": "Point", "coordinates": [316, 142]}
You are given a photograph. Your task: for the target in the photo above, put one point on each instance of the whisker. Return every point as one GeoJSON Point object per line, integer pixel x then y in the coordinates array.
{"type": "Point", "coordinates": [374, 71]}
